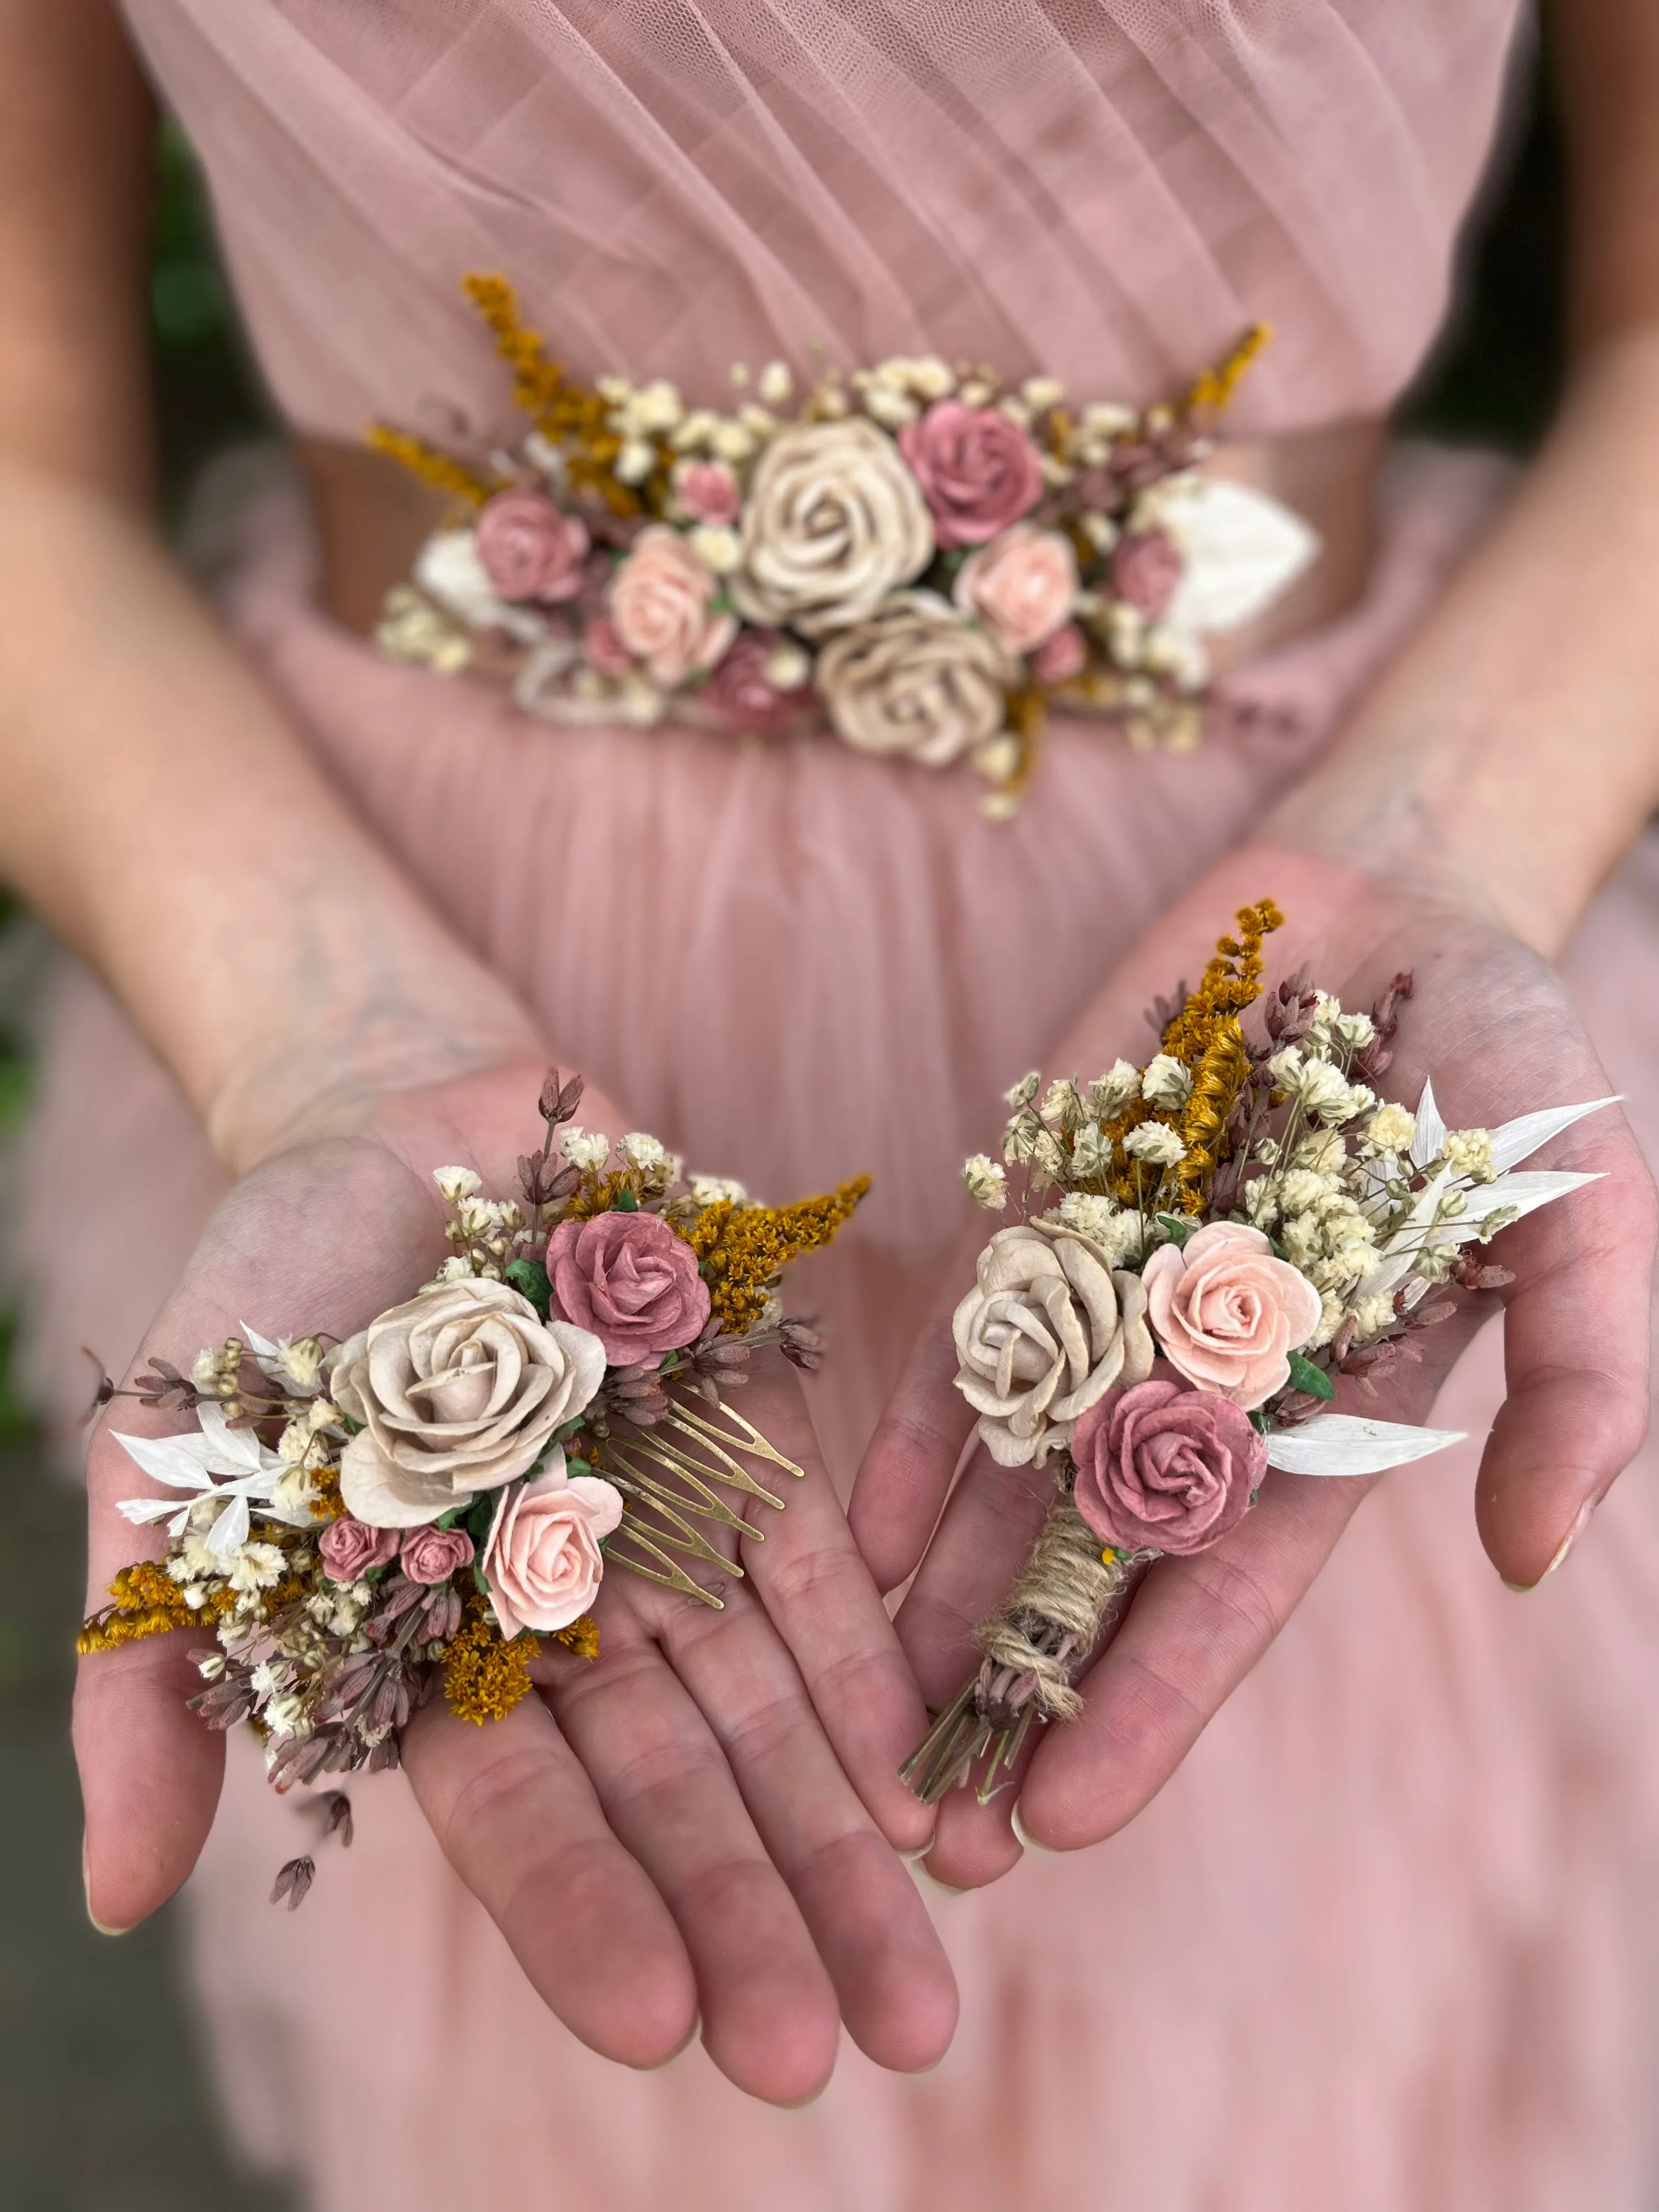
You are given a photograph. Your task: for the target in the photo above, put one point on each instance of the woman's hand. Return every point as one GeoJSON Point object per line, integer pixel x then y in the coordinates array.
{"type": "Point", "coordinates": [700, 1824]}
{"type": "Point", "coordinates": [1489, 1019]}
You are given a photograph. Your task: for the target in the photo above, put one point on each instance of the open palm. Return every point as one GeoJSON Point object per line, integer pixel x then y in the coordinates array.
{"type": "Point", "coordinates": [1491, 1022]}
{"type": "Point", "coordinates": [699, 1824]}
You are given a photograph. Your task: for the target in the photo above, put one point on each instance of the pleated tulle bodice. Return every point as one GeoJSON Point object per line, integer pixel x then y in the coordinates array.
{"type": "Point", "coordinates": [1108, 190]}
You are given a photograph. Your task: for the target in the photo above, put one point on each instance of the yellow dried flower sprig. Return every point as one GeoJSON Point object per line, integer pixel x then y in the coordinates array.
{"type": "Point", "coordinates": [742, 1249]}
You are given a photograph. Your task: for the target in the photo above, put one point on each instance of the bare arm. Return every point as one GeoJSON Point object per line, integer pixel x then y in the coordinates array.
{"type": "Point", "coordinates": [144, 764]}
{"type": "Point", "coordinates": [1459, 827]}
{"type": "Point", "coordinates": [670, 1834]}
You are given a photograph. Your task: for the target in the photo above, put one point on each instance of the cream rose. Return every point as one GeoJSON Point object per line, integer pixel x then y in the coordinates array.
{"type": "Point", "coordinates": [1227, 1313]}
{"type": "Point", "coordinates": [1047, 1330]}
{"type": "Point", "coordinates": [916, 681]}
{"type": "Point", "coordinates": [1021, 586]}
{"type": "Point", "coordinates": [457, 1391]}
{"type": "Point", "coordinates": [834, 522]}
{"type": "Point", "coordinates": [543, 1562]}
{"type": "Point", "coordinates": [661, 608]}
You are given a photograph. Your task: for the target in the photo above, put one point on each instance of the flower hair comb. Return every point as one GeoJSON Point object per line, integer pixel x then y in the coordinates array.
{"type": "Point", "coordinates": [353, 1524]}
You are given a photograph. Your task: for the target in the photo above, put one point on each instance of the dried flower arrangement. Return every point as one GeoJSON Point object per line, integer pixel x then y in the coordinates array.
{"type": "Point", "coordinates": [365, 1520]}
{"type": "Point", "coordinates": [1204, 1245]}
{"type": "Point", "coordinates": [923, 557]}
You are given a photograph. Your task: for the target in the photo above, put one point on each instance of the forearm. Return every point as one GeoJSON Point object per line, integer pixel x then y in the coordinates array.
{"type": "Point", "coordinates": [161, 814]}
{"type": "Point", "coordinates": [1515, 745]}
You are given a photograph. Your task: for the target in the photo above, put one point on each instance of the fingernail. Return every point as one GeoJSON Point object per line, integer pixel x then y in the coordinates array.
{"type": "Point", "coordinates": [1566, 1545]}
{"type": "Point", "coordinates": [86, 1884]}
{"type": "Point", "coordinates": [1027, 1839]}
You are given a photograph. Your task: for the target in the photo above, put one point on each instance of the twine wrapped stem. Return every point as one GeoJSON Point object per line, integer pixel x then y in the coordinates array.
{"type": "Point", "coordinates": [1067, 1598]}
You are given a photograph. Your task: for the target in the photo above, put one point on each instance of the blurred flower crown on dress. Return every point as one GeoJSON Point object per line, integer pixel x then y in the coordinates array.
{"type": "Point", "coordinates": [914, 553]}
{"type": "Point", "coordinates": [355, 1526]}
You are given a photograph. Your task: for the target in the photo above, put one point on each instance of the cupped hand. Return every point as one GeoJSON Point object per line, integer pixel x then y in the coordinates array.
{"type": "Point", "coordinates": [1491, 1023]}
{"type": "Point", "coordinates": [700, 1825]}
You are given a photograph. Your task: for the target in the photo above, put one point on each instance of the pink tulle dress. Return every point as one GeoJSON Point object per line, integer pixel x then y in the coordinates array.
{"type": "Point", "coordinates": [1389, 1942]}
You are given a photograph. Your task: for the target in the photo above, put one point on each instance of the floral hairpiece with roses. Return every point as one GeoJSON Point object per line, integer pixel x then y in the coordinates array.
{"type": "Point", "coordinates": [923, 558]}
{"type": "Point", "coordinates": [1205, 1245]}
{"type": "Point", "coordinates": [363, 1522]}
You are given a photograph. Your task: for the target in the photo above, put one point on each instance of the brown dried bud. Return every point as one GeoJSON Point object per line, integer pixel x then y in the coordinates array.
{"type": "Point", "coordinates": [293, 1881]}
{"type": "Point", "coordinates": [384, 1756]}
{"type": "Point", "coordinates": [339, 1817]}
{"type": "Point", "coordinates": [1470, 1273]}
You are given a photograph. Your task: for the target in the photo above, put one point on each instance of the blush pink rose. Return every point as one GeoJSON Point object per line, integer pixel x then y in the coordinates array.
{"type": "Point", "coordinates": [349, 1548]}
{"type": "Point", "coordinates": [432, 1554]}
{"type": "Point", "coordinates": [631, 1281]}
{"type": "Point", "coordinates": [1062, 656]}
{"type": "Point", "coordinates": [979, 472]}
{"type": "Point", "coordinates": [543, 1561]}
{"type": "Point", "coordinates": [707, 491]}
{"type": "Point", "coordinates": [661, 608]}
{"type": "Point", "coordinates": [1021, 586]}
{"type": "Point", "coordinates": [529, 548]}
{"type": "Point", "coordinates": [1147, 567]}
{"type": "Point", "coordinates": [1226, 1314]}
{"type": "Point", "coordinates": [1163, 1468]}
{"type": "Point", "coordinates": [740, 690]}
{"type": "Point", "coordinates": [602, 648]}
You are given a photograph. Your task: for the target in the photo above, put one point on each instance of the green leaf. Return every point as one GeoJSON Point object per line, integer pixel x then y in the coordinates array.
{"type": "Point", "coordinates": [479, 1515]}
{"type": "Point", "coordinates": [624, 1202]}
{"type": "Point", "coordinates": [1178, 1227]}
{"type": "Point", "coordinates": [1258, 1421]}
{"type": "Point", "coordinates": [1309, 1379]}
{"type": "Point", "coordinates": [528, 1279]}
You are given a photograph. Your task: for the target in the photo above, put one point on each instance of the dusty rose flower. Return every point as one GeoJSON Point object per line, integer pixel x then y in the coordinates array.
{"type": "Point", "coordinates": [741, 688]}
{"type": "Point", "coordinates": [834, 522]}
{"type": "Point", "coordinates": [1062, 656]}
{"type": "Point", "coordinates": [979, 472]}
{"type": "Point", "coordinates": [543, 1561]}
{"type": "Point", "coordinates": [432, 1555]}
{"type": "Point", "coordinates": [1047, 1328]}
{"type": "Point", "coordinates": [1164, 1469]}
{"type": "Point", "coordinates": [628, 1278]}
{"type": "Point", "coordinates": [1146, 566]}
{"type": "Point", "coordinates": [916, 681]}
{"type": "Point", "coordinates": [1227, 1313]}
{"type": "Point", "coordinates": [602, 648]}
{"type": "Point", "coordinates": [1022, 586]}
{"type": "Point", "coordinates": [349, 1548]}
{"type": "Point", "coordinates": [459, 1391]}
{"type": "Point", "coordinates": [661, 607]}
{"type": "Point", "coordinates": [707, 491]}
{"type": "Point", "coordinates": [531, 548]}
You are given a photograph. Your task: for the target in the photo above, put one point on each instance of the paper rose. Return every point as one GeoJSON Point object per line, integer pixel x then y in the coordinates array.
{"type": "Point", "coordinates": [543, 1561]}
{"type": "Point", "coordinates": [459, 1391]}
{"type": "Point", "coordinates": [915, 681]}
{"type": "Point", "coordinates": [1046, 1331]}
{"type": "Point", "coordinates": [1161, 1467]}
{"type": "Point", "coordinates": [1147, 567]}
{"type": "Point", "coordinates": [661, 608]}
{"type": "Point", "coordinates": [744, 689]}
{"type": "Point", "coordinates": [834, 522]}
{"type": "Point", "coordinates": [431, 1555]}
{"type": "Point", "coordinates": [349, 1548]}
{"type": "Point", "coordinates": [978, 471]}
{"type": "Point", "coordinates": [628, 1278]}
{"type": "Point", "coordinates": [1227, 1313]}
{"type": "Point", "coordinates": [531, 548]}
{"type": "Point", "coordinates": [1021, 586]}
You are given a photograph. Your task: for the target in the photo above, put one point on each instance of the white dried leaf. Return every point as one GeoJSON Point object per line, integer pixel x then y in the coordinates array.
{"type": "Point", "coordinates": [1348, 1443]}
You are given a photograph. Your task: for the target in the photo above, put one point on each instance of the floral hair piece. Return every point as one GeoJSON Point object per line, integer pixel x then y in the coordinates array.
{"type": "Point", "coordinates": [353, 1524]}
{"type": "Point", "coordinates": [923, 557]}
{"type": "Point", "coordinates": [1205, 1247]}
